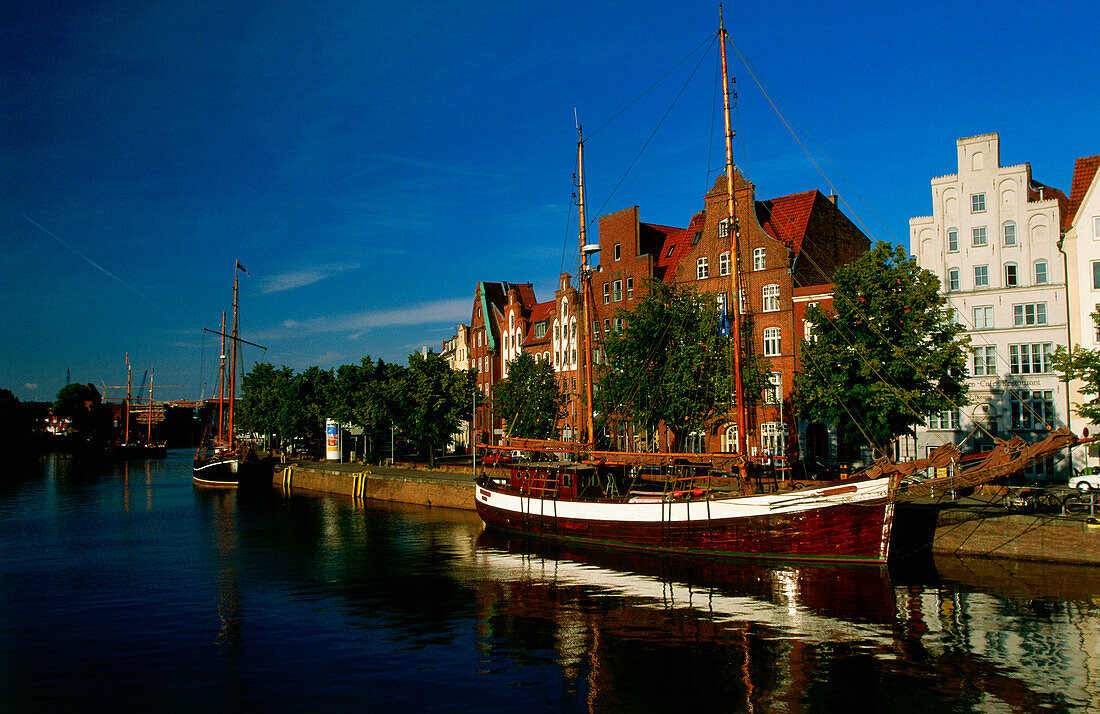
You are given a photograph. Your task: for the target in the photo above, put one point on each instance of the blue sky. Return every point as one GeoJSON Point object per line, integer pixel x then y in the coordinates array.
{"type": "Point", "coordinates": [370, 162]}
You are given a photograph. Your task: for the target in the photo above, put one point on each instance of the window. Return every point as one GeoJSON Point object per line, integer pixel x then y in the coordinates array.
{"type": "Point", "coordinates": [773, 393]}
{"type": "Point", "coordinates": [771, 298]}
{"type": "Point", "coordinates": [977, 203]}
{"type": "Point", "coordinates": [947, 419]}
{"type": "Point", "coordinates": [952, 240]}
{"type": "Point", "coordinates": [1010, 275]}
{"type": "Point", "coordinates": [479, 338]}
{"type": "Point", "coordinates": [1096, 227]}
{"type": "Point", "coordinates": [617, 291]}
{"type": "Point", "coordinates": [618, 324]}
{"type": "Point", "coordinates": [695, 443]}
{"type": "Point", "coordinates": [1010, 233]}
{"type": "Point", "coordinates": [729, 439]}
{"type": "Point", "coordinates": [772, 342]}
{"type": "Point", "coordinates": [741, 301]}
{"type": "Point", "coordinates": [616, 251]}
{"type": "Point", "coordinates": [720, 301]}
{"type": "Point", "coordinates": [606, 293]}
{"type": "Point", "coordinates": [1030, 359]}
{"type": "Point", "coordinates": [671, 248]}
{"type": "Point", "coordinates": [808, 327]}
{"type": "Point", "coordinates": [759, 258]}
{"type": "Point", "coordinates": [773, 438]}
{"type": "Point", "coordinates": [981, 276]}
{"type": "Point", "coordinates": [985, 361]}
{"type": "Point", "coordinates": [978, 236]}
{"type": "Point", "coordinates": [1096, 275]}
{"type": "Point", "coordinates": [606, 325]}
{"type": "Point", "coordinates": [540, 329]}
{"type": "Point", "coordinates": [702, 269]}
{"type": "Point", "coordinates": [1041, 272]}
{"type": "Point", "coordinates": [724, 263]}
{"type": "Point", "coordinates": [1032, 410]}
{"type": "Point", "coordinates": [983, 317]}
{"type": "Point", "coordinates": [1034, 313]}
{"type": "Point", "coordinates": [724, 228]}
{"type": "Point", "coordinates": [953, 279]}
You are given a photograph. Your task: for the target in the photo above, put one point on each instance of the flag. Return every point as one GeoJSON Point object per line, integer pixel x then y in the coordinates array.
{"type": "Point", "coordinates": [242, 269]}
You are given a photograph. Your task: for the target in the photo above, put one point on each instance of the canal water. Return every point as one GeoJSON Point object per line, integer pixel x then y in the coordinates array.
{"type": "Point", "coordinates": [124, 588]}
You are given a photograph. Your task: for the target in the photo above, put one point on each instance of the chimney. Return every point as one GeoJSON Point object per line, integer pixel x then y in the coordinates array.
{"type": "Point", "coordinates": [832, 198]}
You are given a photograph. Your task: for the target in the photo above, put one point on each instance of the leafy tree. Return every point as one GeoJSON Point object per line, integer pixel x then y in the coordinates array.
{"type": "Point", "coordinates": [671, 364]}
{"type": "Point", "coordinates": [529, 400]}
{"type": "Point", "coordinates": [78, 402]}
{"type": "Point", "coordinates": [1083, 364]}
{"type": "Point", "coordinates": [314, 389]}
{"type": "Point", "coordinates": [887, 356]}
{"type": "Point", "coordinates": [270, 401]}
{"type": "Point", "coordinates": [430, 400]}
{"type": "Point", "coordinates": [364, 395]}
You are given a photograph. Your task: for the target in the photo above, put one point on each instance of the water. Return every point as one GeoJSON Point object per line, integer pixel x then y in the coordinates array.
{"type": "Point", "coordinates": [127, 589]}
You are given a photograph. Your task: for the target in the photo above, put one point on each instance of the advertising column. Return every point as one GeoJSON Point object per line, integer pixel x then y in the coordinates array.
{"type": "Point", "coordinates": [332, 440]}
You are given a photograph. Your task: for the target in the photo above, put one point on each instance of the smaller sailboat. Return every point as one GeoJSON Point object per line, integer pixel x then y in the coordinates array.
{"type": "Point", "coordinates": [222, 461]}
{"type": "Point", "coordinates": [126, 448]}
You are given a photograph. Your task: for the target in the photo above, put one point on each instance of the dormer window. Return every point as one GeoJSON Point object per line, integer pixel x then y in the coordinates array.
{"type": "Point", "coordinates": [724, 228]}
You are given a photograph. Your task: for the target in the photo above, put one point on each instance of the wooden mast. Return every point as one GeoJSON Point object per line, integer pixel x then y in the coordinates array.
{"type": "Point", "coordinates": [233, 363]}
{"type": "Point", "coordinates": [149, 435]}
{"type": "Point", "coordinates": [221, 387]}
{"type": "Point", "coordinates": [586, 280]}
{"type": "Point", "coordinates": [126, 439]}
{"type": "Point", "coordinates": [734, 231]}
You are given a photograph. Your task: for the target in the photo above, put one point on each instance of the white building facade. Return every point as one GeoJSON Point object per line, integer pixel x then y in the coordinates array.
{"type": "Point", "coordinates": [1081, 244]}
{"type": "Point", "coordinates": [993, 239]}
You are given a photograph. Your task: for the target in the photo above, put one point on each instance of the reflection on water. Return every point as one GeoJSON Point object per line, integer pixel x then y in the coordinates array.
{"type": "Point", "coordinates": [226, 601]}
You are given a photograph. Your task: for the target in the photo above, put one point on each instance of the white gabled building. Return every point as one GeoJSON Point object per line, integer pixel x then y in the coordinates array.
{"type": "Point", "coordinates": [993, 240]}
{"type": "Point", "coordinates": [1081, 243]}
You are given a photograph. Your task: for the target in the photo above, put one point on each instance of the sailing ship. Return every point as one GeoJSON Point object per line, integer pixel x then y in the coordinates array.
{"type": "Point", "coordinates": [125, 448]}
{"type": "Point", "coordinates": [223, 461]}
{"type": "Point", "coordinates": [716, 504]}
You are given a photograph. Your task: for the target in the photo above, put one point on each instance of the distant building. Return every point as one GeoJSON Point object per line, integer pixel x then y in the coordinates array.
{"type": "Point", "coordinates": [993, 240]}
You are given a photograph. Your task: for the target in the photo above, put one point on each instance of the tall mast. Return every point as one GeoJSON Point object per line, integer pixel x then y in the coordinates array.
{"type": "Point", "coordinates": [735, 256]}
{"type": "Point", "coordinates": [221, 387]}
{"type": "Point", "coordinates": [585, 284]}
{"type": "Point", "coordinates": [233, 363]}
{"type": "Point", "coordinates": [126, 439]}
{"type": "Point", "coordinates": [149, 436]}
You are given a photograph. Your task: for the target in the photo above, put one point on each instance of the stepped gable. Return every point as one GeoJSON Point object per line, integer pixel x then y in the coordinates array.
{"type": "Point", "coordinates": [1084, 171]}
{"type": "Point", "coordinates": [786, 218]}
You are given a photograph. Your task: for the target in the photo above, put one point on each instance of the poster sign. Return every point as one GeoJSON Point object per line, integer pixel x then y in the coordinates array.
{"type": "Point", "coordinates": [332, 440]}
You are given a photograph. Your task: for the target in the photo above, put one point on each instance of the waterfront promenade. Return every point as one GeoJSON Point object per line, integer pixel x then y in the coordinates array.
{"type": "Point", "coordinates": [974, 526]}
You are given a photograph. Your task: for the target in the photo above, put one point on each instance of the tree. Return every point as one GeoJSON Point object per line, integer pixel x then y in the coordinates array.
{"type": "Point", "coordinates": [671, 364]}
{"type": "Point", "coordinates": [78, 402]}
{"type": "Point", "coordinates": [1083, 364]}
{"type": "Point", "coordinates": [270, 401]}
{"type": "Point", "coordinates": [430, 400]}
{"type": "Point", "coordinates": [314, 390]}
{"type": "Point", "coordinates": [363, 394]}
{"type": "Point", "coordinates": [887, 356]}
{"type": "Point", "coordinates": [529, 400]}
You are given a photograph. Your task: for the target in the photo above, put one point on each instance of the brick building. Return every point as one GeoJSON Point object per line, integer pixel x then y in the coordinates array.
{"type": "Point", "coordinates": [789, 250]}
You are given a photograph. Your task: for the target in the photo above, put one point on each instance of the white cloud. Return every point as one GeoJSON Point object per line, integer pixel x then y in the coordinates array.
{"type": "Point", "coordinates": [301, 278]}
{"type": "Point", "coordinates": [452, 310]}
{"type": "Point", "coordinates": [30, 386]}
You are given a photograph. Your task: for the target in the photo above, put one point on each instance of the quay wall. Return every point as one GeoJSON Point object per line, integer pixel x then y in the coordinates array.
{"type": "Point", "coordinates": [1050, 538]}
{"type": "Point", "coordinates": [452, 490]}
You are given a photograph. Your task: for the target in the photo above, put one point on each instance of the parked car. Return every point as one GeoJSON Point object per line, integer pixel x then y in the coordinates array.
{"type": "Point", "coordinates": [1087, 480]}
{"type": "Point", "coordinates": [494, 458]}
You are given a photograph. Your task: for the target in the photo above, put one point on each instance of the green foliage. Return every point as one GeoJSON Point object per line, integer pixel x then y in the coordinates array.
{"type": "Point", "coordinates": [887, 356]}
{"type": "Point", "coordinates": [78, 402]}
{"type": "Point", "coordinates": [529, 400]}
{"type": "Point", "coordinates": [430, 400]}
{"type": "Point", "coordinates": [672, 364]}
{"type": "Point", "coordinates": [271, 403]}
{"type": "Point", "coordinates": [1084, 365]}
{"type": "Point", "coordinates": [364, 395]}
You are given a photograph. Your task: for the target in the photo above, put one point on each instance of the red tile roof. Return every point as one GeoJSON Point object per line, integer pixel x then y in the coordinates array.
{"type": "Point", "coordinates": [676, 240]}
{"type": "Point", "coordinates": [539, 313]}
{"type": "Point", "coordinates": [1083, 174]}
{"type": "Point", "coordinates": [785, 218]}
